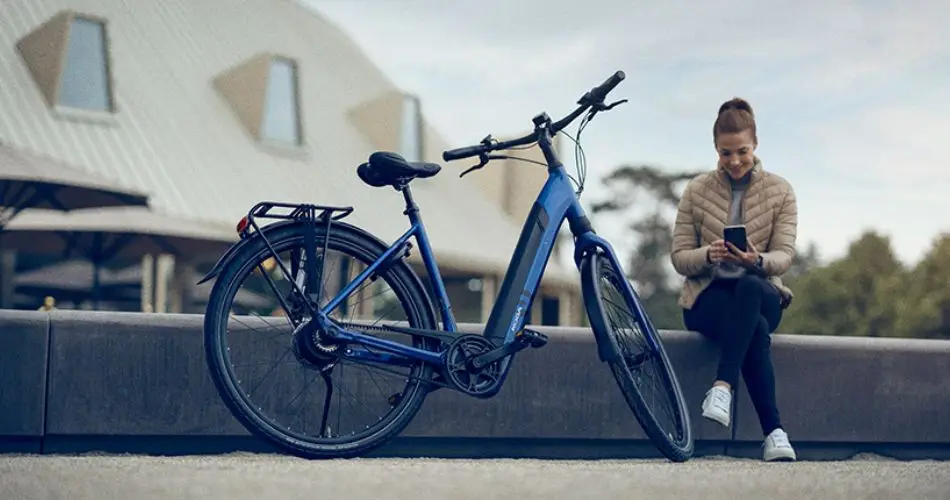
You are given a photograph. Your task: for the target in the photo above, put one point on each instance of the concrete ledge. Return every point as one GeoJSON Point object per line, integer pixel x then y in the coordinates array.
{"type": "Point", "coordinates": [132, 382]}
{"type": "Point", "coordinates": [563, 391]}
{"type": "Point", "coordinates": [24, 339]}
{"type": "Point", "coordinates": [857, 390]}
{"type": "Point", "coordinates": [126, 374]}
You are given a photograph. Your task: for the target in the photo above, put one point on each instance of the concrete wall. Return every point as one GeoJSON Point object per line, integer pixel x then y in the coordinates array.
{"type": "Point", "coordinates": [78, 381]}
{"type": "Point", "coordinates": [24, 341]}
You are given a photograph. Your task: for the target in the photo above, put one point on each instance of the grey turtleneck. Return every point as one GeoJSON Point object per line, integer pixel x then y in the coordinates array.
{"type": "Point", "coordinates": [728, 270]}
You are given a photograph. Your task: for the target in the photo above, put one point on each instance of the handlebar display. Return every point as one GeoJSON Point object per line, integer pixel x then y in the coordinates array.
{"type": "Point", "coordinates": [592, 99]}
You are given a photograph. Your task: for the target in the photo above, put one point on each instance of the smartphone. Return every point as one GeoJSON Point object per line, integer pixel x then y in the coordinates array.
{"type": "Point", "coordinates": [736, 235]}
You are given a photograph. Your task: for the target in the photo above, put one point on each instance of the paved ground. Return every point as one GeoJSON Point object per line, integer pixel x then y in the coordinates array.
{"type": "Point", "coordinates": [249, 476]}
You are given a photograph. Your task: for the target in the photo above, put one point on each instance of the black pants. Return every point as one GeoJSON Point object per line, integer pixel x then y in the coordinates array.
{"type": "Point", "coordinates": [740, 315]}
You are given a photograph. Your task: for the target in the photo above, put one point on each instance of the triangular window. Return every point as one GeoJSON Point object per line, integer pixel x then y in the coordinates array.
{"type": "Point", "coordinates": [410, 130]}
{"type": "Point", "coordinates": [281, 121]}
{"type": "Point", "coordinates": [68, 57]}
{"type": "Point", "coordinates": [85, 79]}
{"type": "Point", "coordinates": [264, 93]}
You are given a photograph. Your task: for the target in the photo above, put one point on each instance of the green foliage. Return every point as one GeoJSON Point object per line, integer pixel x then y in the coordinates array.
{"type": "Point", "coordinates": [805, 260]}
{"type": "Point", "coordinates": [924, 305]}
{"type": "Point", "coordinates": [868, 292]}
{"type": "Point", "coordinates": [850, 296]}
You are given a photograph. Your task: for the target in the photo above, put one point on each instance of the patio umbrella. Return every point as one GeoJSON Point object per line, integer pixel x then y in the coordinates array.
{"type": "Point", "coordinates": [106, 233]}
{"type": "Point", "coordinates": [32, 180]}
{"type": "Point", "coordinates": [67, 281]}
{"type": "Point", "coordinates": [74, 279]}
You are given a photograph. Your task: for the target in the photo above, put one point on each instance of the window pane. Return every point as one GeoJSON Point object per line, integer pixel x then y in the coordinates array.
{"type": "Point", "coordinates": [410, 140]}
{"type": "Point", "coordinates": [85, 81]}
{"type": "Point", "coordinates": [280, 106]}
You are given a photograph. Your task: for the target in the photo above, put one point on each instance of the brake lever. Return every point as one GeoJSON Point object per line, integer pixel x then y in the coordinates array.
{"type": "Point", "coordinates": [613, 104]}
{"type": "Point", "coordinates": [483, 160]}
{"type": "Point", "coordinates": [607, 107]}
{"type": "Point", "coordinates": [600, 106]}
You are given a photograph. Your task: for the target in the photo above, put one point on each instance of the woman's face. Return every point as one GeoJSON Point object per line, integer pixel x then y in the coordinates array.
{"type": "Point", "coordinates": [736, 153]}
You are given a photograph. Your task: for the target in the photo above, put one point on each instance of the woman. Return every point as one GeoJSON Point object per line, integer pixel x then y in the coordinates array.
{"type": "Point", "coordinates": [736, 298]}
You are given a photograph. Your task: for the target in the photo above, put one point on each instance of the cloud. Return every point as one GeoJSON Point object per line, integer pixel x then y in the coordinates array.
{"type": "Point", "coordinates": [852, 97]}
{"type": "Point", "coordinates": [900, 145]}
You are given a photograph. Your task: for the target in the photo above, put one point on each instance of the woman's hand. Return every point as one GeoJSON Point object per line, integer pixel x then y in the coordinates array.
{"type": "Point", "coordinates": [717, 252]}
{"type": "Point", "coordinates": [747, 259]}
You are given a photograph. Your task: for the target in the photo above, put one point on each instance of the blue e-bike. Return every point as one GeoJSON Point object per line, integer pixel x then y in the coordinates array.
{"type": "Point", "coordinates": [331, 277]}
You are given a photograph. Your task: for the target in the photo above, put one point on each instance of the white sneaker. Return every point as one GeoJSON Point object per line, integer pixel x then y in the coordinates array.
{"type": "Point", "coordinates": [718, 404]}
{"type": "Point", "coordinates": [777, 447]}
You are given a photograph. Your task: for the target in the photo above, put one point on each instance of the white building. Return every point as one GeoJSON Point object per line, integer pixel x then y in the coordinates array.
{"type": "Point", "coordinates": [211, 106]}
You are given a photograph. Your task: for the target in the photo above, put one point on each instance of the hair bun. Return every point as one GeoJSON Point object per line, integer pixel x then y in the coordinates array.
{"type": "Point", "coordinates": [736, 103]}
{"type": "Point", "coordinates": [735, 116]}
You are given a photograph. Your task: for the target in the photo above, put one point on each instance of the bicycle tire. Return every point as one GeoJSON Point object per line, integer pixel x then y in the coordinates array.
{"type": "Point", "coordinates": [352, 242]}
{"type": "Point", "coordinates": [680, 447]}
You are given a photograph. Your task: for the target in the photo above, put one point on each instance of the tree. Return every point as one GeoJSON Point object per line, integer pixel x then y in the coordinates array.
{"type": "Point", "coordinates": [854, 295]}
{"type": "Point", "coordinates": [923, 299]}
{"type": "Point", "coordinates": [657, 193]}
{"type": "Point", "coordinates": [803, 262]}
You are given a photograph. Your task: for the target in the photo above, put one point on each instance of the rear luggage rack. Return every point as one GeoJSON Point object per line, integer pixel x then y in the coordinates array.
{"type": "Point", "coordinates": [311, 215]}
{"type": "Point", "coordinates": [297, 211]}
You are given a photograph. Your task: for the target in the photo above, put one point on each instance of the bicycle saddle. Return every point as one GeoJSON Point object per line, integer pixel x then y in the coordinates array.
{"type": "Point", "coordinates": [385, 169]}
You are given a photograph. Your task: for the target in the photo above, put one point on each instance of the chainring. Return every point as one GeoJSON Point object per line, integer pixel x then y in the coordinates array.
{"type": "Point", "coordinates": [457, 371]}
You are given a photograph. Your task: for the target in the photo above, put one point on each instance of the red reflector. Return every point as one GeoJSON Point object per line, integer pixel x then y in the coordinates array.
{"type": "Point", "coordinates": [242, 225]}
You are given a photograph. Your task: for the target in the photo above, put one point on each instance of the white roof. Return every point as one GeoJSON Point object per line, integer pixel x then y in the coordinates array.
{"type": "Point", "coordinates": [175, 137]}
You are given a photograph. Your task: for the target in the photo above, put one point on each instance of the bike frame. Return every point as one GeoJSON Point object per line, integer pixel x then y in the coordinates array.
{"type": "Point", "coordinates": [555, 203]}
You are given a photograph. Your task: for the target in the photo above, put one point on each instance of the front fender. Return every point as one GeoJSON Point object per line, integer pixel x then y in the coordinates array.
{"type": "Point", "coordinates": [588, 247]}
{"type": "Point", "coordinates": [590, 242]}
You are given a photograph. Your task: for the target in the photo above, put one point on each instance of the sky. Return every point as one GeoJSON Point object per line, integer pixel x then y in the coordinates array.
{"type": "Point", "coordinates": [852, 98]}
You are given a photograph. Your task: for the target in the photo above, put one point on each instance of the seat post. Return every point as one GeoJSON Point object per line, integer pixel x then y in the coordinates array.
{"type": "Point", "coordinates": [412, 210]}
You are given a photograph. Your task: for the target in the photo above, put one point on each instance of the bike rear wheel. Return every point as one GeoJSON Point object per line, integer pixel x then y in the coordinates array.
{"type": "Point", "coordinates": [657, 402]}
{"type": "Point", "coordinates": [292, 406]}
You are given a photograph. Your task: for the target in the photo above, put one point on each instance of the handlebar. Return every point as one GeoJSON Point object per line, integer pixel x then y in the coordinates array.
{"type": "Point", "coordinates": [592, 99]}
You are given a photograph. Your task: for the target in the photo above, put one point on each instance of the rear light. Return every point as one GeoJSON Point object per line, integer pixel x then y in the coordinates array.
{"type": "Point", "coordinates": [242, 225]}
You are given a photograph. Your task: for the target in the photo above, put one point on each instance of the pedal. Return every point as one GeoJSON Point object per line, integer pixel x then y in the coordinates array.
{"type": "Point", "coordinates": [523, 340]}
{"type": "Point", "coordinates": [532, 338]}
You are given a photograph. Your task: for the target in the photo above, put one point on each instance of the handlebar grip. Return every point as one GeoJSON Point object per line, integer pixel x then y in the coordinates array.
{"type": "Point", "coordinates": [601, 91]}
{"type": "Point", "coordinates": [458, 154]}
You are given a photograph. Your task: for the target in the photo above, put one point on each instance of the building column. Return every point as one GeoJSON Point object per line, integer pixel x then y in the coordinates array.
{"type": "Point", "coordinates": [489, 294]}
{"type": "Point", "coordinates": [536, 309]}
{"type": "Point", "coordinates": [566, 308]}
{"type": "Point", "coordinates": [164, 266]}
{"type": "Point", "coordinates": [8, 279]}
{"type": "Point", "coordinates": [148, 278]}
{"type": "Point", "coordinates": [155, 274]}
{"type": "Point", "coordinates": [179, 286]}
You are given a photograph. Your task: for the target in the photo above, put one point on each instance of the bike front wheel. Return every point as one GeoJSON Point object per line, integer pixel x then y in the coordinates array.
{"type": "Point", "coordinates": [641, 368]}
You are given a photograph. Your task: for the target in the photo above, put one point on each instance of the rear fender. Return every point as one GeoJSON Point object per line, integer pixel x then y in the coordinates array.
{"type": "Point", "coordinates": [365, 235]}
{"type": "Point", "coordinates": [228, 255]}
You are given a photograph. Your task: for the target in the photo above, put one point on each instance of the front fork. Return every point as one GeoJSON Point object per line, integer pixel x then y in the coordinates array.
{"type": "Point", "coordinates": [585, 246]}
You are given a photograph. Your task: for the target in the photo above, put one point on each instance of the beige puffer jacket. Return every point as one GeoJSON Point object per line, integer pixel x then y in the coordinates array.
{"type": "Point", "coordinates": [770, 213]}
